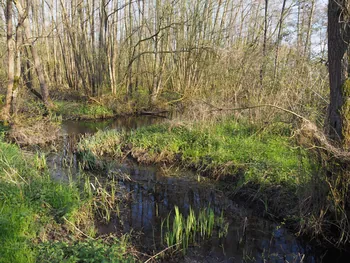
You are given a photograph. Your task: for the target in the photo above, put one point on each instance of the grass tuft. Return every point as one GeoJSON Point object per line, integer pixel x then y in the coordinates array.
{"type": "Point", "coordinates": [75, 110]}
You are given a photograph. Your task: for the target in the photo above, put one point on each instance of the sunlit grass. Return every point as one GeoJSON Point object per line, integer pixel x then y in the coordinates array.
{"type": "Point", "coordinates": [101, 144]}
{"type": "Point", "coordinates": [113, 250]}
{"type": "Point", "coordinates": [226, 148]}
{"type": "Point", "coordinates": [76, 110]}
{"type": "Point", "coordinates": [229, 148]}
{"type": "Point", "coordinates": [182, 231]}
{"type": "Point", "coordinates": [33, 207]}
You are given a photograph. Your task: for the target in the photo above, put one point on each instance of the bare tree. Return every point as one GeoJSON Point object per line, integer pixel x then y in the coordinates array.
{"type": "Point", "coordinates": [23, 16]}
{"type": "Point", "coordinates": [11, 59]}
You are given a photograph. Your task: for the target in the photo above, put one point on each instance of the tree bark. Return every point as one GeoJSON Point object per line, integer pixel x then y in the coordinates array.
{"type": "Point", "coordinates": [11, 60]}
{"type": "Point", "coordinates": [338, 39]}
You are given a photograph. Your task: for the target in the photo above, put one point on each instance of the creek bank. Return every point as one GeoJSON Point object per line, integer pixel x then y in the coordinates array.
{"type": "Point", "coordinates": [93, 110]}
{"type": "Point", "coordinates": [45, 220]}
{"type": "Point", "coordinates": [266, 168]}
{"type": "Point", "coordinates": [33, 131]}
{"type": "Point", "coordinates": [156, 189]}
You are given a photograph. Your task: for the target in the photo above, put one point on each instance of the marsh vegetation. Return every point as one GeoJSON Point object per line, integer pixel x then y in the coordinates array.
{"type": "Point", "coordinates": [162, 130]}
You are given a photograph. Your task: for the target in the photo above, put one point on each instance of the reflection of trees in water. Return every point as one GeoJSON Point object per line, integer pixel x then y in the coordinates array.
{"type": "Point", "coordinates": [154, 197]}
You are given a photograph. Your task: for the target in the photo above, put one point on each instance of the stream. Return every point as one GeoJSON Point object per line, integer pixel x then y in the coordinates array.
{"type": "Point", "coordinates": [154, 191]}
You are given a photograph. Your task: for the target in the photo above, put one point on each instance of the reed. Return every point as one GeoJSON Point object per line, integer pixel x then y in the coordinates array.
{"type": "Point", "coordinates": [181, 231]}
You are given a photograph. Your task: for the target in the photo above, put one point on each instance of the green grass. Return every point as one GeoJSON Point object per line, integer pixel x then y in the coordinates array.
{"type": "Point", "coordinates": [182, 231]}
{"type": "Point", "coordinates": [32, 205]}
{"type": "Point", "coordinates": [76, 110]}
{"type": "Point", "coordinates": [224, 148]}
{"type": "Point", "coordinates": [228, 148]}
{"type": "Point", "coordinates": [101, 144]}
{"type": "Point", "coordinates": [87, 251]}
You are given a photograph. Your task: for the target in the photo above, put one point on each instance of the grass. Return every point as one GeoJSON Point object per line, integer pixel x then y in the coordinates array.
{"type": "Point", "coordinates": [115, 250]}
{"type": "Point", "coordinates": [76, 110]}
{"type": "Point", "coordinates": [101, 144]}
{"type": "Point", "coordinates": [185, 231]}
{"type": "Point", "coordinates": [39, 216]}
{"type": "Point", "coordinates": [226, 148]}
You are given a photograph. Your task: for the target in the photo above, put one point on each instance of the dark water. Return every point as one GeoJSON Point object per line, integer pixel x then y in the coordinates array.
{"type": "Point", "coordinates": [156, 190]}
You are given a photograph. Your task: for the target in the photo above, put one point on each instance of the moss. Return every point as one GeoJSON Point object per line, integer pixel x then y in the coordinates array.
{"type": "Point", "coordinates": [345, 112]}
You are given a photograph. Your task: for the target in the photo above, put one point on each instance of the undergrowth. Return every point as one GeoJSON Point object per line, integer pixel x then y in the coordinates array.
{"type": "Point", "coordinates": [85, 251]}
{"type": "Point", "coordinates": [39, 216]}
{"type": "Point", "coordinates": [76, 110]}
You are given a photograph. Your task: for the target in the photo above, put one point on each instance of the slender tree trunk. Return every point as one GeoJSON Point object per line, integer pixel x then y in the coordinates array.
{"type": "Point", "coordinates": [262, 69]}
{"type": "Point", "coordinates": [17, 78]}
{"type": "Point", "coordinates": [37, 63]}
{"type": "Point", "coordinates": [11, 60]}
{"type": "Point", "coordinates": [309, 31]}
{"type": "Point", "coordinates": [279, 39]}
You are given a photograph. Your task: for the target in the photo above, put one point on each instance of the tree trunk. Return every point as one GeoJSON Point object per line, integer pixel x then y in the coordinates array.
{"type": "Point", "coordinates": [279, 39]}
{"type": "Point", "coordinates": [263, 65]}
{"type": "Point", "coordinates": [17, 77]}
{"type": "Point", "coordinates": [307, 47]}
{"type": "Point", "coordinates": [11, 60]}
{"type": "Point", "coordinates": [37, 63]}
{"type": "Point", "coordinates": [338, 111]}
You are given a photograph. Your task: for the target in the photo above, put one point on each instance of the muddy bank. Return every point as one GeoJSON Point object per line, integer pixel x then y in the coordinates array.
{"type": "Point", "coordinates": [30, 131]}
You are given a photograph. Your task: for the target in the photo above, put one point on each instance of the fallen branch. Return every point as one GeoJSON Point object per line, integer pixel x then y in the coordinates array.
{"type": "Point", "coordinates": [308, 129]}
{"type": "Point", "coordinates": [255, 107]}
{"type": "Point", "coordinates": [156, 255]}
{"type": "Point", "coordinates": [76, 228]}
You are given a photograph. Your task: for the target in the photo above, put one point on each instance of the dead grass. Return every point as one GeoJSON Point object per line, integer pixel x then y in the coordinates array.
{"type": "Point", "coordinates": [33, 131]}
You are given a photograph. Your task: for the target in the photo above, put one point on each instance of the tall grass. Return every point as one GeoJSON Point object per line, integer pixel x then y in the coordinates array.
{"type": "Point", "coordinates": [103, 143]}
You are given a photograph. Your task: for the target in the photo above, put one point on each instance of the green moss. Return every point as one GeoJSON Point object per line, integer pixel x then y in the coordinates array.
{"type": "Point", "coordinates": [345, 112]}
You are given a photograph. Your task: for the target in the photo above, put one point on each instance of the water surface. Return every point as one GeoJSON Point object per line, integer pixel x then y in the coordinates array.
{"type": "Point", "coordinates": [154, 192]}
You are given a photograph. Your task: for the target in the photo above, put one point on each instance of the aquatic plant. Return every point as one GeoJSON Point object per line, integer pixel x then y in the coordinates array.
{"type": "Point", "coordinates": [182, 231]}
{"type": "Point", "coordinates": [103, 143]}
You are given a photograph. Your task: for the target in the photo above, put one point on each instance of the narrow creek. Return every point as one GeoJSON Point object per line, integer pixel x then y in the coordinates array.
{"type": "Point", "coordinates": [154, 192]}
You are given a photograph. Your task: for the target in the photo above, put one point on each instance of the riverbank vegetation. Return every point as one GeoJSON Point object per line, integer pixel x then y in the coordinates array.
{"type": "Point", "coordinates": [262, 163]}
{"type": "Point", "coordinates": [44, 220]}
{"type": "Point", "coordinates": [263, 103]}
{"type": "Point", "coordinates": [224, 149]}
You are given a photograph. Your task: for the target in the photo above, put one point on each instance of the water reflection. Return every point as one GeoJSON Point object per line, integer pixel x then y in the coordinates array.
{"type": "Point", "coordinates": [154, 195]}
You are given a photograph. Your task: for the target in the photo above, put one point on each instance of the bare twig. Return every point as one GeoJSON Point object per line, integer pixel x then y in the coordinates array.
{"type": "Point", "coordinates": [156, 255]}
